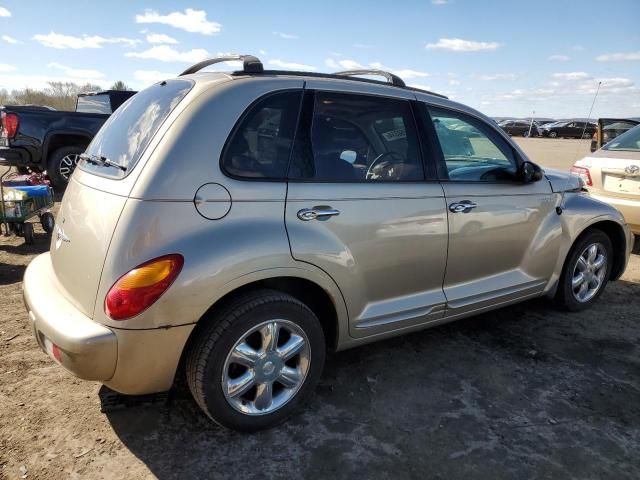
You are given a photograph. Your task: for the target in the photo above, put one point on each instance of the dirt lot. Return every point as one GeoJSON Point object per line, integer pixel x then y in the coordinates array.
{"type": "Point", "coordinates": [523, 392]}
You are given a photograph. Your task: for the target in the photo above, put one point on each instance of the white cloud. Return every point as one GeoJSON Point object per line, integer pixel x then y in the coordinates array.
{"type": "Point", "coordinates": [454, 82]}
{"type": "Point", "coordinates": [165, 53]}
{"type": "Point", "coordinates": [75, 72]}
{"type": "Point", "coordinates": [459, 45]}
{"type": "Point", "coordinates": [161, 38]}
{"type": "Point", "coordinates": [4, 67]}
{"type": "Point", "coordinates": [58, 40]}
{"type": "Point", "coordinates": [10, 40]}
{"type": "Point", "coordinates": [408, 73]}
{"type": "Point", "coordinates": [619, 57]}
{"type": "Point", "coordinates": [286, 36]}
{"type": "Point", "coordinates": [290, 65]}
{"type": "Point", "coordinates": [151, 76]}
{"type": "Point", "coordinates": [440, 2]}
{"type": "Point", "coordinates": [262, 52]}
{"type": "Point", "coordinates": [559, 58]}
{"type": "Point", "coordinates": [498, 76]}
{"type": "Point", "coordinates": [343, 64]}
{"type": "Point", "coordinates": [194, 21]}
{"type": "Point", "coordinates": [347, 64]}
{"type": "Point", "coordinates": [572, 76]}
{"type": "Point", "coordinates": [17, 81]}
{"type": "Point", "coordinates": [4, 12]}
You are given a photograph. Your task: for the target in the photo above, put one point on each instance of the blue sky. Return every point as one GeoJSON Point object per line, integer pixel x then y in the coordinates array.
{"type": "Point", "coordinates": [501, 57]}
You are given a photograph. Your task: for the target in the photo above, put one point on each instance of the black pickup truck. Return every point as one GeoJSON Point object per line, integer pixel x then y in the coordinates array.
{"type": "Point", "coordinates": [41, 138]}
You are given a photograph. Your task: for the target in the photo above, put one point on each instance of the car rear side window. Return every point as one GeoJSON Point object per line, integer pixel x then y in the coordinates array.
{"type": "Point", "coordinates": [125, 135]}
{"type": "Point", "coordinates": [357, 138]}
{"type": "Point", "coordinates": [260, 145]}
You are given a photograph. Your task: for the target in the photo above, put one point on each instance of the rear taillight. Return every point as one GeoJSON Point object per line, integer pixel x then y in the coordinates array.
{"type": "Point", "coordinates": [10, 124]}
{"type": "Point", "coordinates": [583, 173]}
{"type": "Point", "coordinates": [140, 288]}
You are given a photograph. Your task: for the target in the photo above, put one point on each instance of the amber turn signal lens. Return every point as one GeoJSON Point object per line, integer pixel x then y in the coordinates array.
{"type": "Point", "coordinates": [141, 287]}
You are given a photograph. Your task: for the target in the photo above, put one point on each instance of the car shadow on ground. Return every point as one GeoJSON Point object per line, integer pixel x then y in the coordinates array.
{"type": "Point", "coordinates": [525, 391]}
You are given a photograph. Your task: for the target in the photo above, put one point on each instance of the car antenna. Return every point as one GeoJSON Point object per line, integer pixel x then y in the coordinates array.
{"type": "Point", "coordinates": [591, 110]}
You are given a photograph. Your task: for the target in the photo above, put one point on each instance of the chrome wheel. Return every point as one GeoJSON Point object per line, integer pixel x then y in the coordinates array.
{"type": "Point", "coordinates": [266, 367]}
{"type": "Point", "coordinates": [68, 164]}
{"type": "Point", "coordinates": [589, 272]}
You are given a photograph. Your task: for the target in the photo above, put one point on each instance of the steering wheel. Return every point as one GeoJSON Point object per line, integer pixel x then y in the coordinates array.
{"type": "Point", "coordinates": [381, 168]}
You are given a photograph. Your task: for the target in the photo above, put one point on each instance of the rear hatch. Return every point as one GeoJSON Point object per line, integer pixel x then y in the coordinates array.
{"type": "Point", "coordinates": [95, 196]}
{"type": "Point", "coordinates": [620, 165]}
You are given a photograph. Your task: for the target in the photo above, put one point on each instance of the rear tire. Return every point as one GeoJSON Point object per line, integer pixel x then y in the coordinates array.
{"type": "Point", "coordinates": [583, 277]}
{"type": "Point", "coordinates": [61, 165]}
{"type": "Point", "coordinates": [553, 134]}
{"type": "Point", "coordinates": [243, 391]}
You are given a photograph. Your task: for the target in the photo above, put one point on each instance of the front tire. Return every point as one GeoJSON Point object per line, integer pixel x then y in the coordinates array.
{"type": "Point", "coordinates": [586, 271]}
{"type": "Point", "coordinates": [256, 361]}
{"type": "Point", "coordinates": [553, 134]}
{"type": "Point", "coordinates": [61, 165]}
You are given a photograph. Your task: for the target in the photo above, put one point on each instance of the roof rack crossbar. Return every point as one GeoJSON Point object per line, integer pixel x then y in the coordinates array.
{"type": "Point", "coordinates": [391, 78]}
{"type": "Point", "coordinates": [250, 64]}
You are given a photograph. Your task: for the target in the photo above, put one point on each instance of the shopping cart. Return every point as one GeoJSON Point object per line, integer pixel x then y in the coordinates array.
{"type": "Point", "coordinates": [18, 210]}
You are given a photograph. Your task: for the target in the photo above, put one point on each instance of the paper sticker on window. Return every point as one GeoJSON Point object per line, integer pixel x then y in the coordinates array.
{"type": "Point", "coordinates": [397, 134]}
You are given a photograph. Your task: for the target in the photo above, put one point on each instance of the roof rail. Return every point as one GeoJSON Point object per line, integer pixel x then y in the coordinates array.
{"type": "Point", "coordinates": [391, 78]}
{"type": "Point", "coordinates": [250, 64]}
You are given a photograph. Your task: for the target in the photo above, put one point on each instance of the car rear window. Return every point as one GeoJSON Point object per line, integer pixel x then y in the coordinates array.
{"type": "Point", "coordinates": [125, 135]}
{"type": "Point", "coordinates": [94, 104]}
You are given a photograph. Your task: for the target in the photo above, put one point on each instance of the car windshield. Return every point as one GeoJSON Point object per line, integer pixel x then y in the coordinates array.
{"type": "Point", "coordinates": [121, 141]}
{"type": "Point", "coordinates": [630, 140]}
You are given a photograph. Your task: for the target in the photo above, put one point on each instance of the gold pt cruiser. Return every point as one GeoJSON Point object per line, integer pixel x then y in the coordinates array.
{"type": "Point", "coordinates": [243, 224]}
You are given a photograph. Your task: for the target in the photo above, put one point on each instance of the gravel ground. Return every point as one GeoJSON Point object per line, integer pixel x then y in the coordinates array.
{"type": "Point", "coordinates": [523, 392]}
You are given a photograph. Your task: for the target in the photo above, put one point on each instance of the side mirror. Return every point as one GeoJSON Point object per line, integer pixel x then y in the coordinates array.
{"type": "Point", "coordinates": [530, 172]}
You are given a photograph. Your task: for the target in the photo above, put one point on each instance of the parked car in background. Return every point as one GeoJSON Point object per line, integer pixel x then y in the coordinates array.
{"type": "Point", "coordinates": [318, 212]}
{"type": "Point", "coordinates": [612, 175]}
{"type": "Point", "coordinates": [568, 129]}
{"type": "Point", "coordinates": [610, 128]}
{"type": "Point", "coordinates": [520, 128]}
{"type": "Point", "coordinates": [41, 138]}
{"type": "Point", "coordinates": [542, 123]}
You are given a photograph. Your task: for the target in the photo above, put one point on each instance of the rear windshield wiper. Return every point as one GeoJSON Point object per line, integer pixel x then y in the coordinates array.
{"type": "Point", "coordinates": [101, 160]}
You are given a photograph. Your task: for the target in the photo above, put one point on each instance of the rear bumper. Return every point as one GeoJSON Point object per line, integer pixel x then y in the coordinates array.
{"type": "Point", "coordinates": [14, 156]}
{"type": "Point", "coordinates": [128, 361]}
{"type": "Point", "coordinates": [630, 209]}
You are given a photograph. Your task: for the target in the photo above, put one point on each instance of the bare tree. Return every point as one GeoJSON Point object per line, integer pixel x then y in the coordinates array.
{"type": "Point", "coordinates": [120, 85]}
{"type": "Point", "coordinates": [59, 95]}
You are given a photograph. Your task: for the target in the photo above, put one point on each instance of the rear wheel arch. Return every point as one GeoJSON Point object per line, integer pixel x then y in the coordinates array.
{"type": "Point", "coordinates": [310, 293]}
{"type": "Point", "coordinates": [56, 140]}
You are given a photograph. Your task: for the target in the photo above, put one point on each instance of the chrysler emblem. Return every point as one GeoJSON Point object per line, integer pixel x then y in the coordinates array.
{"type": "Point", "coordinates": [632, 169]}
{"type": "Point", "coordinates": [60, 236]}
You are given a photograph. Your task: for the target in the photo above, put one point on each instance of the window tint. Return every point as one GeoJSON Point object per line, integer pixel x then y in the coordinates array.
{"type": "Point", "coordinates": [94, 104]}
{"type": "Point", "coordinates": [472, 151]}
{"type": "Point", "coordinates": [126, 134]}
{"type": "Point", "coordinates": [357, 138]}
{"type": "Point", "coordinates": [261, 144]}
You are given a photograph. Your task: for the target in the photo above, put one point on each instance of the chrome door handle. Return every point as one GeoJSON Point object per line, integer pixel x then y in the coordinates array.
{"type": "Point", "coordinates": [317, 213]}
{"type": "Point", "coordinates": [465, 206]}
